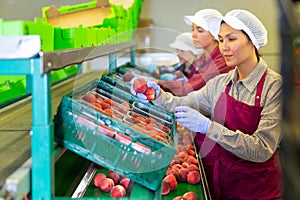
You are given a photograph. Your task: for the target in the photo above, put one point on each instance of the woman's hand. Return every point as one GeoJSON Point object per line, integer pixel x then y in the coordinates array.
{"type": "Point", "coordinates": [192, 119]}
{"type": "Point", "coordinates": [151, 93]}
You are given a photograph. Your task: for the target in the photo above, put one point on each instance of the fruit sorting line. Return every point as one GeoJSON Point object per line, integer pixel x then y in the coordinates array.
{"type": "Point", "coordinates": [17, 119]}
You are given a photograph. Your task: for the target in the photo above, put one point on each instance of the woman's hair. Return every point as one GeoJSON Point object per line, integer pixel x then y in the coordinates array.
{"type": "Point", "coordinates": [256, 51]}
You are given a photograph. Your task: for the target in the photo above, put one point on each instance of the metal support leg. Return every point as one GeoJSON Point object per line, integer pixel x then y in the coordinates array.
{"type": "Point", "coordinates": [42, 142]}
{"type": "Point", "coordinates": [112, 61]}
{"type": "Point", "coordinates": [132, 56]}
{"type": "Point", "coordinates": [28, 84]}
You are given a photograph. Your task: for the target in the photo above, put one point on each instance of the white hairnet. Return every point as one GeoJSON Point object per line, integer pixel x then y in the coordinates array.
{"type": "Point", "coordinates": [206, 19]}
{"type": "Point", "coordinates": [246, 21]}
{"type": "Point", "coordinates": [184, 42]}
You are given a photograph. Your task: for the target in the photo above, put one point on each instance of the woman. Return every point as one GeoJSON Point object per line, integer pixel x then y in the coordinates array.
{"type": "Point", "coordinates": [245, 109]}
{"type": "Point", "coordinates": [186, 53]}
{"type": "Point", "coordinates": [210, 63]}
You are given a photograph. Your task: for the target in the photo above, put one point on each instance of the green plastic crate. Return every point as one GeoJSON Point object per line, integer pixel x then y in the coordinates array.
{"type": "Point", "coordinates": [66, 38]}
{"type": "Point", "coordinates": [71, 70]}
{"type": "Point", "coordinates": [91, 37]}
{"type": "Point", "coordinates": [10, 90]}
{"type": "Point", "coordinates": [63, 74]}
{"type": "Point", "coordinates": [140, 157]}
{"type": "Point", "coordinates": [21, 27]}
{"type": "Point", "coordinates": [58, 75]}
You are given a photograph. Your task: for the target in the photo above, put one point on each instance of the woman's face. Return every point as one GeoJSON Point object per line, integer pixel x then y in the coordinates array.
{"type": "Point", "coordinates": [235, 46]}
{"type": "Point", "coordinates": [201, 37]}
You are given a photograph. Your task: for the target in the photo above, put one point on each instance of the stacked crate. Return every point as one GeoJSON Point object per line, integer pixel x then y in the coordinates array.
{"type": "Point", "coordinates": [108, 25]}
{"type": "Point", "coordinates": [110, 127]}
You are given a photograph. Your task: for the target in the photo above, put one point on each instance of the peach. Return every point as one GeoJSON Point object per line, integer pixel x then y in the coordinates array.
{"type": "Point", "coordinates": [108, 101]}
{"type": "Point", "coordinates": [173, 162]}
{"type": "Point", "coordinates": [149, 93]}
{"type": "Point", "coordinates": [191, 152]}
{"type": "Point", "coordinates": [171, 179]}
{"type": "Point", "coordinates": [124, 107]}
{"type": "Point", "coordinates": [185, 164]}
{"type": "Point", "coordinates": [193, 167]}
{"type": "Point", "coordinates": [177, 167]}
{"type": "Point", "coordinates": [178, 149]}
{"type": "Point", "coordinates": [117, 191]}
{"type": "Point", "coordinates": [107, 184]}
{"type": "Point", "coordinates": [172, 171]}
{"type": "Point", "coordinates": [192, 160]}
{"type": "Point", "coordinates": [164, 129]}
{"type": "Point", "coordinates": [97, 106]}
{"type": "Point", "coordinates": [91, 98]}
{"type": "Point", "coordinates": [182, 174]}
{"type": "Point", "coordinates": [193, 177]}
{"type": "Point", "coordinates": [127, 76]}
{"type": "Point", "coordinates": [140, 85]}
{"type": "Point", "coordinates": [190, 196]}
{"type": "Point", "coordinates": [189, 147]}
{"type": "Point", "coordinates": [184, 155]}
{"type": "Point", "coordinates": [124, 182]}
{"type": "Point", "coordinates": [114, 176]}
{"type": "Point", "coordinates": [98, 178]}
{"type": "Point", "coordinates": [165, 188]}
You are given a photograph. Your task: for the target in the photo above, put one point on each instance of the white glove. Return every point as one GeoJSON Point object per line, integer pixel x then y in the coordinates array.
{"type": "Point", "coordinates": [183, 79]}
{"type": "Point", "coordinates": [167, 77]}
{"type": "Point", "coordinates": [192, 119]}
{"type": "Point", "coordinates": [150, 84]}
{"type": "Point", "coordinates": [151, 68]}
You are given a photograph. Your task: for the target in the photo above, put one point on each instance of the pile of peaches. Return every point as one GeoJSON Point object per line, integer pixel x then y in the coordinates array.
{"type": "Point", "coordinates": [113, 183]}
{"type": "Point", "coordinates": [122, 112]}
{"type": "Point", "coordinates": [184, 167]}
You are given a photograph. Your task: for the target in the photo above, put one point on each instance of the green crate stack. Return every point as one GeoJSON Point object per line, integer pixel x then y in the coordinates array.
{"type": "Point", "coordinates": [11, 87]}
{"type": "Point", "coordinates": [74, 8]}
{"type": "Point", "coordinates": [65, 38]}
{"type": "Point", "coordinates": [101, 35]}
{"type": "Point", "coordinates": [91, 36]}
{"type": "Point", "coordinates": [71, 70]}
{"type": "Point", "coordinates": [22, 27]}
{"type": "Point", "coordinates": [118, 10]}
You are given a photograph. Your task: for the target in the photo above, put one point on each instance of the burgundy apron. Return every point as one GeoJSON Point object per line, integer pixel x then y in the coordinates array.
{"type": "Point", "coordinates": [233, 177]}
{"type": "Point", "coordinates": [209, 152]}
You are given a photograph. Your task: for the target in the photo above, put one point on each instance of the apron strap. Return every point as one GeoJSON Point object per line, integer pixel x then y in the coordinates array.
{"type": "Point", "coordinates": [260, 88]}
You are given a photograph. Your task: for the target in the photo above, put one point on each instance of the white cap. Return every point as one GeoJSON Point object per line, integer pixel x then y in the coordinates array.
{"type": "Point", "coordinates": [206, 19]}
{"type": "Point", "coordinates": [184, 42]}
{"type": "Point", "coordinates": [246, 21]}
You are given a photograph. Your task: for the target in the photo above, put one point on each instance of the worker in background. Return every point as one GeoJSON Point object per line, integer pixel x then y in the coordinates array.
{"type": "Point", "coordinates": [186, 53]}
{"type": "Point", "coordinates": [210, 63]}
{"type": "Point", "coordinates": [243, 135]}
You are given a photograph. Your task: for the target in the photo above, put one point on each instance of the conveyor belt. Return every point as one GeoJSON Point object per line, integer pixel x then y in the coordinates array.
{"type": "Point", "coordinates": [15, 125]}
